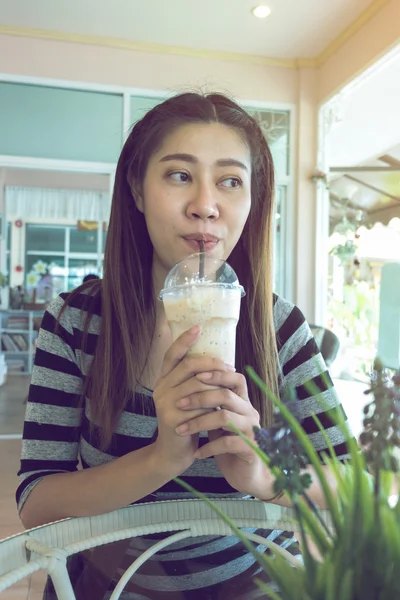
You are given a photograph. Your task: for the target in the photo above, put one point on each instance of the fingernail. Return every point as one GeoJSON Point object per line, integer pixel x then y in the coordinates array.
{"type": "Point", "coordinates": [182, 429]}
{"type": "Point", "coordinates": [204, 376]}
{"type": "Point", "coordinates": [183, 402]}
{"type": "Point", "coordinates": [229, 367]}
{"type": "Point", "coordinates": [194, 330]}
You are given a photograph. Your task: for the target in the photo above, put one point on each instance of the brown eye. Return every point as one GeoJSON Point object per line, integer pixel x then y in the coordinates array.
{"type": "Point", "coordinates": [180, 176]}
{"type": "Point", "coordinates": [232, 182]}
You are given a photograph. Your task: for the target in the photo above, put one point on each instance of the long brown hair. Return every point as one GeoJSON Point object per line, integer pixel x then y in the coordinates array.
{"type": "Point", "coordinates": [128, 303]}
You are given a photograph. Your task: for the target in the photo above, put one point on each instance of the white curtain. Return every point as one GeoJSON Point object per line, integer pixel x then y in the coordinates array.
{"type": "Point", "coordinates": [37, 203]}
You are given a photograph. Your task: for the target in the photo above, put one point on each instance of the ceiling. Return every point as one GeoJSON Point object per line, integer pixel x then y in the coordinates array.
{"type": "Point", "coordinates": [295, 28]}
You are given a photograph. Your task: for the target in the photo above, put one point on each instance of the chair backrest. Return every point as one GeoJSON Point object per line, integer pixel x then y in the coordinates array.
{"type": "Point", "coordinates": [327, 342]}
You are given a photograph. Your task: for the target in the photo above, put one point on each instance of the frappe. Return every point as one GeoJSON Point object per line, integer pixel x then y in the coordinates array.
{"type": "Point", "coordinates": [209, 297]}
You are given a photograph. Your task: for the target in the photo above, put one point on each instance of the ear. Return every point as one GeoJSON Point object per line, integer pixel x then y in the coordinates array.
{"type": "Point", "coordinates": [137, 197]}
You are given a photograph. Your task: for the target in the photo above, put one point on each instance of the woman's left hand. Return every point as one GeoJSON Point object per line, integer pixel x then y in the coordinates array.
{"type": "Point", "coordinates": [237, 462]}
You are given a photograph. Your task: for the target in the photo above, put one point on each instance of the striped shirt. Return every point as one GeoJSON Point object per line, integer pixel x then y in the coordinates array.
{"type": "Point", "coordinates": [57, 435]}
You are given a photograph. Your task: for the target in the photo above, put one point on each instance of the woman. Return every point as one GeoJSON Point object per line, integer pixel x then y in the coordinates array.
{"type": "Point", "coordinates": [193, 166]}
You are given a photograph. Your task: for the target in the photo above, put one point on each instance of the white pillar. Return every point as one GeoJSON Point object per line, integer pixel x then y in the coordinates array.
{"type": "Point", "coordinates": [304, 243]}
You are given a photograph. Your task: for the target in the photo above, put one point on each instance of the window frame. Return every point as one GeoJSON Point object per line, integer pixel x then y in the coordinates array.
{"type": "Point", "coordinates": [287, 258]}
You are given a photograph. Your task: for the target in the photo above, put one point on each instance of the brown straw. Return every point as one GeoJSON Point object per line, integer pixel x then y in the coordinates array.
{"type": "Point", "coordinates": [201, 259]}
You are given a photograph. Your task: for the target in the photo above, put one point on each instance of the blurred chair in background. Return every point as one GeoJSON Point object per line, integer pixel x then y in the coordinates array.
{"type": "Point", "coordinates": [327, 342]}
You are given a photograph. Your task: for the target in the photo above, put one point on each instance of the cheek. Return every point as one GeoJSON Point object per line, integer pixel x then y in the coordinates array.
{"type": "Point", "coordinates": [240, 216]}
{"type": "Point", "coordinates": [160, 219]}
{"type": "Point", "coordinates": [159, 203]}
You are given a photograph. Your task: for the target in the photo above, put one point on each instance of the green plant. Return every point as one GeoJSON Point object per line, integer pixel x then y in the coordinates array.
{"type": "Point", "coordinates": [3, 280]}
{"type": "Point", "coordinates": [357, 316]}
{"type": "Point", "coordinates": [345, 252]}
{"type": "Point", "coordinates": [359, 556]}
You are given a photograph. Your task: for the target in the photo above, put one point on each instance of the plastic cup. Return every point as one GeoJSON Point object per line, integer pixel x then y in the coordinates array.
{"type": "Point", "coordinates": [210, 299]}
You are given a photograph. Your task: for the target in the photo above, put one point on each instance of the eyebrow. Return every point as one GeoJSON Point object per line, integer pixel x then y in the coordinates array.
{"type": "Point", "coordinates": [222, 162]}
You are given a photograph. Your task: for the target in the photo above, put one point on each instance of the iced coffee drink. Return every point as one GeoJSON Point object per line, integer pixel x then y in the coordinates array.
{"type": "Point", "coordinates": [210, 299]}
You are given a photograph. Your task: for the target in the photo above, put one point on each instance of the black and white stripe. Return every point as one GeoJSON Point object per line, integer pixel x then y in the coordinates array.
{"type": "Point", "coordinates": [57, 434]}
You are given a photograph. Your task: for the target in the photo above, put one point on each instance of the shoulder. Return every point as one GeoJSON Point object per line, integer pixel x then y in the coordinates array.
{"type": "Point", "coordinates": [294, 337]}
{"type": "Point", "coordinates": [71, 310]}
{"type": "Point", "coordinates": [287, 316]}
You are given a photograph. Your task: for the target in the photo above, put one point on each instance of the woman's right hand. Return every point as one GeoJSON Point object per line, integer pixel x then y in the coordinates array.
{"type": "Point", "coordinates": [178, 380]}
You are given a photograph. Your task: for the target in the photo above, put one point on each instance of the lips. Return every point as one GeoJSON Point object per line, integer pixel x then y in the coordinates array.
{"type": "Point", "coordinates": [201, 237]}
{"type": "Point", "coordinates": [193, 241]}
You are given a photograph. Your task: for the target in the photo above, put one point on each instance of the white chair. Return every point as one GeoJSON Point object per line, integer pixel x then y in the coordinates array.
{"type": "Point", "coordinates": [48, 547]}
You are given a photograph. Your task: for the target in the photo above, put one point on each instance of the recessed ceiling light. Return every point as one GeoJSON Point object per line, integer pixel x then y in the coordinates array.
{"type": "Point", "coordinates": [261, 11]}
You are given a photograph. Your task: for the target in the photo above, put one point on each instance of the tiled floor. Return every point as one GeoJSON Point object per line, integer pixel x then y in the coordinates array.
{"type": "Point", "coordinates": [12, 409]}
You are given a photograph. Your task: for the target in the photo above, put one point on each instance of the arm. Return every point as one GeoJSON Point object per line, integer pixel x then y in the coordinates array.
{"type": "Point", "coordinates": [301, 363]}
{"type": "Point", "coordinates": [51, 487]}
{"type": "Point", "coordinates": [97, 490]}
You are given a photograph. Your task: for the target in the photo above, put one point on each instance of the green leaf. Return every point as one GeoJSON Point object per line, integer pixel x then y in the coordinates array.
{"type": "Point", "coordinates": [333, 462]}
{"type": "Point", "coordinates": [271, 594]}
{"type": "Point", "coordinates": [309, 562]}
{"type": "Point", "coordinates": [330, 585]}
{"type": "Point", "coordinates": [314, 529]}
{"type": "Point", "coordinates": [366, 500]}
{"type": "Point", "coordinates": [397, 506]}
{"type": "Point", "coordinates": [391, 530]}
{"type": "Point", "coordinates": [250, 547]}
{"type": "Point", "coordinates": [265, 459]}
{"type": "Point", "coordinates": [346, 588]}
{"type": "Point", "coordinates": [387, 479]}
{"type": "Point", "coordinates": [340, 471]}
{"type": "Point", "coordinates": [308, 447]}
{"type": "Point", "coordinates": [318, 587]}
{"type": "Point", "coordinates": [261, 558]}
{"type": "Point", "coordinates": [285, 576]}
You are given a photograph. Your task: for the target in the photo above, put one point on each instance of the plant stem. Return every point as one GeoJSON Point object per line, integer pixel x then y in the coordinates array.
{"type": "Point", "coordinates": [315, 510]}
{"type": "Point", "coordinates": [377, 493]}
{"type": "Point", "coordinates": [308, 560]}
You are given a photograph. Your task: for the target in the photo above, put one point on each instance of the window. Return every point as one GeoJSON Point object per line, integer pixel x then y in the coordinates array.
{"type": "Point", "coordinates": [83, 241]}
{"type": "Point", "coordinates": [65, 252]}
{"type": "Point", "coordinates": [140, 105]}
{"type": "Point", "coordinates": [44, 237]}
{"type": "Point", "coordinates": [59, 123]}
{"type": "Point", "coordinates": [276, 127]}
{"type": "Point", "coordinates": [78, 268]}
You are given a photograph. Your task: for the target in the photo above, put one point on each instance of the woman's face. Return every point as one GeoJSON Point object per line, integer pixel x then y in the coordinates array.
{"type": "Point", "coordinates": [197, 186]}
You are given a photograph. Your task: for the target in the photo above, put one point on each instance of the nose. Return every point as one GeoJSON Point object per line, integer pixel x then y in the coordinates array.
{"type": "Point", "coordinates": [202, 204]}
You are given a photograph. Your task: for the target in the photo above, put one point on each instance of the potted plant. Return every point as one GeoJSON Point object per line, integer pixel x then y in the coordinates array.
{"type": "Point", "coordinates": [359, 555]}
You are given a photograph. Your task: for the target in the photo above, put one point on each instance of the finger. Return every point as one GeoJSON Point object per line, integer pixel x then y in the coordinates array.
{"type": "Point", "coordinates": [183, 392]}
{"type": "Point", "coordinates": [215, 398]}
{"type": "Point", "coordinates": [227, 379]}
{"type": "Point", "coordinates": [178, 349]}
{"type": "Point", "coordinates": [226, 444]}
{"type": "Point", "coordinates": [211, 421]}
{"type": "Point", "coordinates": [189, 366]}
{"type": "Point", "coordinates": [183, 416]}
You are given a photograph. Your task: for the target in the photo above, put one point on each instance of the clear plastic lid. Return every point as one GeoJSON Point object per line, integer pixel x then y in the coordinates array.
{"type": "Point", "coordinates": [201, 269]}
